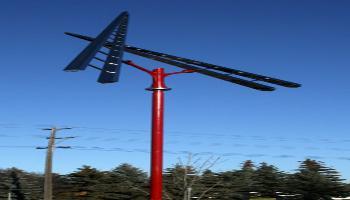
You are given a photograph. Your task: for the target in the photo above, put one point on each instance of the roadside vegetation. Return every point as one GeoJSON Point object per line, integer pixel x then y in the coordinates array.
{"type": "Point", "coordinates": [313, 180]}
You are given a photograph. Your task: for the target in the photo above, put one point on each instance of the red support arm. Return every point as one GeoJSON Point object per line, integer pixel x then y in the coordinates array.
{"type": "Point", "coordinates": [129, 62]}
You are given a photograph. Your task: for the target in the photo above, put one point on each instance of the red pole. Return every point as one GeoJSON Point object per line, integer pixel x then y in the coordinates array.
{"type": "Point", "coordinates": [158, 88]}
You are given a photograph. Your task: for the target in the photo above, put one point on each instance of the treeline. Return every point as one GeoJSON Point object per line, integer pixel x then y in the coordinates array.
{"type": "Point", "coordinates": [311, 181]}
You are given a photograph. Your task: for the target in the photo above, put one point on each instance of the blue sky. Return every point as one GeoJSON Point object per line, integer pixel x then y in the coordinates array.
{"type": "Point", "coordinates": [306, 42]}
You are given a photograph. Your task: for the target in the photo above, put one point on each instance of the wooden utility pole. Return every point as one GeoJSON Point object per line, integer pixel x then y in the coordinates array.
{"type": "Point", "coordinates": [48, 166]}
{"type": "Point", "coordinates": [48, 163]}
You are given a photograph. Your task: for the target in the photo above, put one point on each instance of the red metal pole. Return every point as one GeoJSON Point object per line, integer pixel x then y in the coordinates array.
{"type": "Point", "coordinates": [158, 88]}
{"type": "Point", "coordinates": [157, 145]}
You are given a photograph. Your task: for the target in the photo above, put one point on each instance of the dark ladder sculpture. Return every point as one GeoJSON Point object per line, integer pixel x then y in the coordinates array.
{"type": "Point", "coordinates": [107, 49]}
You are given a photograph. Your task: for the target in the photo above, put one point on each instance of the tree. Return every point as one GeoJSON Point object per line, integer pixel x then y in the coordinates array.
{"type": "Point", "coordinates": [237, 184]}
{"type": "Point", "coordinates": [181, 182]}
{"type": "Point", "coordinates": [268, 180]}
{"type": "Point", "coordinates": [63, 187]}
{"type": "Point", "coordinates": [84, 183]}
{"type": "Point", "coordinates": [125, 182]}
{"type": "Point", "coordinates": [176, 181]}
{"type": "Point", "coordinates": [21, 184]}
{"type": "Point", "coordinates": [5, 183]}
{"type": "Point", "coordinates": [16, 186]}
{"type": "Point", "coordinates": [184, 180]}
{"type": "Point", "coordinates": [210, 185]}
{"type": "Point", "coordinates": [347, 190]}
{"type": "Point", "coordinates": [244, 178]}
{"type": "Point", "coordinates": [314, 181]}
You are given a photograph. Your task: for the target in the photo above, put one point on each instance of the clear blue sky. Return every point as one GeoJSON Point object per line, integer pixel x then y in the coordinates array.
{"type": "Point", "coordinates": [303, 41]}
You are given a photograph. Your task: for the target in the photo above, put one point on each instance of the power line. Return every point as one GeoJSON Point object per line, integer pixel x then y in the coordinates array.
{"type": "Point", "coordinates": [199, 135]}
{"type": "Point", "coordinates": [16, 146]}
{"type": "Point", "coordinates": [225, 154]}
{"type": "Point", "coordinates": [214, 144]}
{"type": "Point", "coordinates": [203, 153]}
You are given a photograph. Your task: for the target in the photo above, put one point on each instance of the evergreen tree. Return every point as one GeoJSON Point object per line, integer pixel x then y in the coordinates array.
{"type": "Point", "coordinates": [20, 184]}
{"type": "Point", "coordinates": [314, 181]}
{"type": "Point", "coordinates": [62, 187]}
{"type": "Point", "coordinates": [4, 184]}
{"type": "Point", "coordinates": [238, 183]}
{"type": "Point", "coordinates": [125, 182]}
{"type": "Point", "coordinates": [268, 180]}
{"type": "Point", "coordinates": [347, 190]}
{"type": "Point", "coordinates": [210, 186]}
{"type": "Point", "coordinates": [16, 186]}
{"type": "Point", "coordinates": [244, 179]}
{"type": "Point", "coordinates": [84, 183]}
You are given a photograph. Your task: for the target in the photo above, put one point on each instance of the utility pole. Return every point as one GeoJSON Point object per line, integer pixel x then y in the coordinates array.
{"type": "Point", "coordinates": [48, 163]}
{"type": "Point", "coordinates": [48, 166]}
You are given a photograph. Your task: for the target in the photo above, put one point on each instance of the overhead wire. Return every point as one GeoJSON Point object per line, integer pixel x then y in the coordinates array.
{"type": "Point", "coordinates": [171, 152]}
{"type": "Point", "coordinates": [216, 140]}
{"type": "Point", "coordinates": [103, 130]}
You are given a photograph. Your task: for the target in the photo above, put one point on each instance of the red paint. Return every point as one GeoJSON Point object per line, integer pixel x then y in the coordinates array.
{"type": "Point", "coordinates": [158, 87]}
